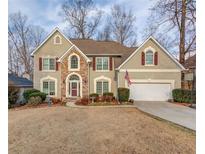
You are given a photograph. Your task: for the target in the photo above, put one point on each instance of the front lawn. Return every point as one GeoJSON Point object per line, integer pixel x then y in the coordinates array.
{"type": "Point", "coordinates": [94, 130]}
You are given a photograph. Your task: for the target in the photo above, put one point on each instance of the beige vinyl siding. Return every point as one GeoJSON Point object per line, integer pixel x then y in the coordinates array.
{"type": "Point", "coordinates": [49, 49]}
{"type": "Point", "coordinates": [108, 74]}
{"type": "Point", "coordinates": [164, 61]}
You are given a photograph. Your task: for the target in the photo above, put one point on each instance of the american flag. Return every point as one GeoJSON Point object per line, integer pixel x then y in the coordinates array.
{"type": "Point", "coordinates": [127, 78]}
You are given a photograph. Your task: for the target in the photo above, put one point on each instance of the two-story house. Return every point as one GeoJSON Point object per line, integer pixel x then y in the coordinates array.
{"type": "Point", "coordinates": [73, 68]}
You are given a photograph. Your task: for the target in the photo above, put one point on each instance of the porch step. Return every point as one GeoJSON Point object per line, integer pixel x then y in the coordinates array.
{"type": "Point", "coordinates": [72, 99]}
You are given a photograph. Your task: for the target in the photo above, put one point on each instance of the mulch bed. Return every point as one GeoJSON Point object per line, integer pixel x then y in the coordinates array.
{"type": "Point", "coordinates": [183, 104]}
{"type": "Point", "coordinates": [107, 103]}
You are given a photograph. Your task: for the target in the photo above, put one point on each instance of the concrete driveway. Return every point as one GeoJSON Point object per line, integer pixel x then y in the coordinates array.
{"type": "Point", "coordinates": [178, 114]}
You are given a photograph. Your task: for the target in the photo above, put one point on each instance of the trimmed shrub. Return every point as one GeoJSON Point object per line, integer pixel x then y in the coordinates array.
{"type": "Point", "coordinates": [123, 94]}
{"type": "Point", "coordinates": [34, 100]}
{"type": "Point", "coordinates": [108, 94]}
{"type": "Point", "coordinates": [28, 92]}
{"type": "Point", "coordinates": [40, 94]}
{"type": "Point", "coordinates": [13, 95]}
{"type": "Point", "coordinates": [184, 95]}
{"type": "Point", "coordinates": [94, 95]}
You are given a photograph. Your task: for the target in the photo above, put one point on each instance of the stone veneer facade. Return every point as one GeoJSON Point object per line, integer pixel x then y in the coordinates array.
{"type": "Point", "coordinates": [83, 72]}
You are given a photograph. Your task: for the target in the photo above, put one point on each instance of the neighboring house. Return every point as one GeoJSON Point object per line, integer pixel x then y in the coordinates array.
{"type": "Point", "coordinates": [73, 68]}
{"type": "Point", "coordinates": [190, 65]}
{"type": "Point", "coordinates": [21, 83]}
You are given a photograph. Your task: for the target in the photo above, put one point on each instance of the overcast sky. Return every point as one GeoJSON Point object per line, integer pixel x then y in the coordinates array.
{"type": "Point", "coordinates": [46, 12]}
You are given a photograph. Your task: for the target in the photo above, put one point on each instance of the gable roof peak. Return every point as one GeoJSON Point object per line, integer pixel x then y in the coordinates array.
{"type": "Point", "coordinates": [48, 36]}
{"type": "Point", "coordinates": [157, 42]}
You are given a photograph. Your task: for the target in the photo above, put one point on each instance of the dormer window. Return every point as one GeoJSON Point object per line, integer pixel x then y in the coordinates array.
{"type": "Point", "coordinates": [57, 39]}
{"type": "Point", "coordinates": [149, 57]}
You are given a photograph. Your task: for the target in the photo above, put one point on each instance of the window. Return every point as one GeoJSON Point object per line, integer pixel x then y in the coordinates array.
{"type": "Point", "coordinates": [74, 62]}
{"type": "Point", "coordinates": [74, 77]}
{"type": "Point", "coordinates": [57, 39]}
{"type": "Point", "coordinates": [48, 64]}
{"type": "Point", "coordinates": [102, 63]}
{"type": "Point", "coordinates": [149, 57]}
{"type": "Point", "coordinates": [49, 87]}
{"type": "Point", "coordinates": [102, 87]}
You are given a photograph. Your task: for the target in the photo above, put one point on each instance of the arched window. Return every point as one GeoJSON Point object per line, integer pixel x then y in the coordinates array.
{"type": "Point", "coordinates": [74, 62]}
{"type": "Point", "coordinates": [57, 39]}
{"type": "Point", "coordinates": [149, 57]}
{"type": "Point", "coordinates": [74, 77]}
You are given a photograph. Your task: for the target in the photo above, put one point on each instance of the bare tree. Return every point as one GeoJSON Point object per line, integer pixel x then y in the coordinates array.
{"type": "Point", "coordinates": [22, 40]}
{"type": "Point", "coordinates": [174, 18]}
{"type": "Point", "coordinates": [37, 35]}
{"type": "Point", "coordinates": [105, 34]}
{"type": "Point", "coordinates": [82, 17]}
{"type": "Point", "coordinates": [13, 60]}
{"type": "Point", "coordinates": [122, 21]}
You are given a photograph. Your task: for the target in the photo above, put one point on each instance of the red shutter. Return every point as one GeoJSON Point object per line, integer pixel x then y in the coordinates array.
{"type": "Point", "coordinates": [93, 63]}
{"type": "Point", "coordinates": [57, 64]}
{"type": "Point", "coordinates": [143, 58]}
{"type": "Point", "coordinates": [40, 64]}
{"type": "Point", "coordinates": [110, 63]}
{"type": "Point", "coordinates": [156, 58]}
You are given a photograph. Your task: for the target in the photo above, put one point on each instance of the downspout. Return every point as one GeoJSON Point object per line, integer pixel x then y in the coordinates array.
{"type": "Point", "coordinates": [117, 78]}
{"type": "Point", "coordinates": [89, 79]}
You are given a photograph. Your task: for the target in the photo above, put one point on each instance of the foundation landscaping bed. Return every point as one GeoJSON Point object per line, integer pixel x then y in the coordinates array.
{"type": "Point", "coordinates": [33, 98]}
{"type": "Point", "coordinates": [107, 99]}
{"type": "Point", "coordinates": [184, 97]}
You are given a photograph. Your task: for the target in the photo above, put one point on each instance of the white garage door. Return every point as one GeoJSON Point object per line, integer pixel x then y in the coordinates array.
{"type": "Point", "coordinates": [150, 91]}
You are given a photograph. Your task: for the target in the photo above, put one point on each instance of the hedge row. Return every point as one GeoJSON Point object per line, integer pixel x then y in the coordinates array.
{"type": "Point", "coordinates": [184, 96]}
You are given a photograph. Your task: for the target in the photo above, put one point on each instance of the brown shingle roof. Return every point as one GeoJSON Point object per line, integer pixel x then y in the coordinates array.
{"type": "Point", "coordinates": [92, 47]}
{"type": "Point", "coordinates": [190, 62]}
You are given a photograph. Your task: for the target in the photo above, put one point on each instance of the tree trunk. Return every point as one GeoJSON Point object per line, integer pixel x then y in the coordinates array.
{"type": "Point", "coordinates": [182, 34]}
{"type": "Point", "coordinates": [182, 39]}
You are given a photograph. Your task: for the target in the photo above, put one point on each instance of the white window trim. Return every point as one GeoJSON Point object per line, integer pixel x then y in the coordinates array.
{"type": "Point", "coordinates": [67, 83]}
{"type": "Point", "coordinates": [153, 52]}
{"type": "Point", "coordinates": [49, 78]}
{"type": "Point", "coordinates": [50, 57]}
{"type": "Point", "coordinates": [54, 39]}
{"type": "Point", "coordinates": [102, 66]}
{"type": "Point", "coordinates": [78, 50]}
{"type": "Point", "coordinates": [69, 62]}
{"type": "Point", "coordinates": [102, 78]}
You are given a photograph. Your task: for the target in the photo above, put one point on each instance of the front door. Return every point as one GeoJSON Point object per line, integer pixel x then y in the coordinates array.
{"type": "Point", "coordinates": [74, 88]}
